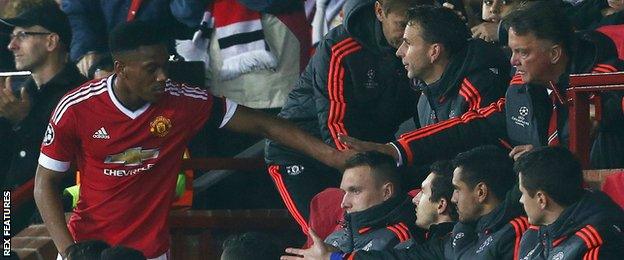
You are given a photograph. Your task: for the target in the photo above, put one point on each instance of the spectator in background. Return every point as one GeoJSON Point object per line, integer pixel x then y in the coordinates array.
{"type": "Point", "coordinates": [10, 9]}
{"type": "Point", "coordinates": [354, 84]}
{"type": "Point", "coordinates": [568, 221]}
{"type": "Point", "coordinates": [121, 252]}
{"type": "Point", "coordinates": [590, 14]}
{"type": "Point", "coordinates": [492, 14]}
{"type": "Point", "coordinates": [86, 250]}
{"type": "Point", "coordinates": [92, 20]}
{"type": "Point", "coordinates": [251, 246]}
{"type": "Point", "coordinates": [40, 42]}
{"type": "Point", "coordinates": [583, 15]}
{"type": "Point", "coordinates": [6, 59]}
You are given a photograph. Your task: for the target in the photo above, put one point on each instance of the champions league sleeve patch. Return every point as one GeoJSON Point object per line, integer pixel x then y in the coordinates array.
{"type": "Point", "coordinates": [48, 137]}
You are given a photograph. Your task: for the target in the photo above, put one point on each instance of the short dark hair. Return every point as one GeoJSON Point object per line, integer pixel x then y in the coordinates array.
{"type": "Point", "coordinates": [121, 252]}
{"type": "Point", "coordinates": [553, 170]}
{"type": "Point", "coordinates": [389, 6]}
{"type": "Point", "coordinates": [545, 20]}
{"type": "Point", "coordinates": [488, 164]}
{"type": "Point", "coordinates": [440, 25]}
{"type": "Point", "coordinates": [442, 185]}
{"type": "Point", "coordinates": [128, 36]}
{"type": "Point", "coordinates": [251, 246]}
{"type": "Point", "coordinates": [86, 250]}
{"type": "Point", "coordinates": [383, 167]}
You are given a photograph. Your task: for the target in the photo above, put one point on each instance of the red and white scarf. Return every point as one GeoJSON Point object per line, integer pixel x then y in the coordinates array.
{"type": "Point", "coordinates": [241, 39]}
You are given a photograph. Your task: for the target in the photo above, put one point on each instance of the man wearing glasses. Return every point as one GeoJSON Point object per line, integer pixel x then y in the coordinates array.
{"type": "Point", "coordinates": [39, 42]}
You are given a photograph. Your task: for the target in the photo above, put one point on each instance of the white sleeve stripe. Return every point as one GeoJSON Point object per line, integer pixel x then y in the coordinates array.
{"type": "Point", "coordinates": [52, 164]}
{"type": "Point", "coordinates": [183, 87]}
{"type": "Point", "coordinates": [178, 93]}
{"type": "Point", "coordinates": [59, 115]}
{"type": "Point", "coordinates": [230, 108]}
{"type": "Point", "coordinates": [193, 90]}
{"type": "Point", "coordinates": [81, 91]}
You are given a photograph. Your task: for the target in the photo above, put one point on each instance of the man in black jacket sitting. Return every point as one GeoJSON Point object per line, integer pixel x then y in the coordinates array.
{"type": "Point", "coordinates": [569, 221]}
{"type": "Point", "coordinates": [378, 215]}
{"type": "Point", "coordinates": [491, 220]}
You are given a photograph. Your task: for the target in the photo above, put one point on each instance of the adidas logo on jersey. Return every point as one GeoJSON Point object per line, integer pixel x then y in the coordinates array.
{"type": "Point", "coordinates": [101, 134]}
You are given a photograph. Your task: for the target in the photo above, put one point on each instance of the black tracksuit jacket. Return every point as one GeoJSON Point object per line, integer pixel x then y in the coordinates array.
{"type": "Point", "coordinates": [588, 229]}
{"type": "Point", "coordinates": [354, 84]}
{"type": "Point", "coordinates": [379, 227]}
{"type": "Point", "coordinates": [438, 241]}
{"type": "Point", "coordinates": [475, 77]}
{"type": "Point", "coordinates": [494, 124]}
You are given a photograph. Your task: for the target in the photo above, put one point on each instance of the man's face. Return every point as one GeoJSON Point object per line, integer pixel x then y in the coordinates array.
{"type": "Point", "coordinates": [413, 52]}
{"type": "Point", "coordinates": [29, 47]}
{"type": "Point", "coordinates": [531, 205]}
{"type": "Point", "coordinates": [531, 57]}
{"type": "Point", "coordinates": [426, 210]}
{"type": "Point", "coordinates": [465, 197]}
{"type": "Point", "coordinates": [393, 24]}
{"type": "Point", "coordinates": [496, 10]}
{"type": "Point", "coordinates": [361, 189]}
{"type": "Point", "coordinates": [145, 72]}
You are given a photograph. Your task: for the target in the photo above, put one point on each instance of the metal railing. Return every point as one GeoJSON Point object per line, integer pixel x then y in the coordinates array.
{"type": "Point", "coordinates": [582, 86]}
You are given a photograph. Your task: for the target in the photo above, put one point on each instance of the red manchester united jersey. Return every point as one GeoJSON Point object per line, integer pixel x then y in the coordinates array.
{"type": "Point", "coordinates": [128, 160]}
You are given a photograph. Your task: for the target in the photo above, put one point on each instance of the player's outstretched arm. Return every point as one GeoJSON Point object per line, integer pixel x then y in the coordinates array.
{"type": "Point", "coordinates": [49, 203]}
{"type": "Point", "coordinates": [246, 120]}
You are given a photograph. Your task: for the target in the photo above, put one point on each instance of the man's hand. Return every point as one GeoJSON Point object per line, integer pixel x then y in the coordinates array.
{"type": "Point", "coordinates": [318, 251]}
{"type": "Point", "coordinates": [11, 107]}
{"type": "Point", "coordinates": [487, 31]}
{"type": "Point", "coordinates": [86, 62]}
{"type": "Point", "coordinates": [363, 146]}
{"type": "Point", "coordinates": [519, 150]}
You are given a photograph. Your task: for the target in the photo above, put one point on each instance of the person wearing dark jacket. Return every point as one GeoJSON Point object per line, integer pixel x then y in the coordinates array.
{"type": "Point", "coordinates": [435, 213]}
{"type": "Point", "coordinates": [568, 222]}
{"type": "Point", "coordinates": [355, 85]}
{"type": "Point", "coordinates": [453, 73]}
{"type": "Point", "coordinates": [545, 53]}
{"type": "Point", "coordinates": [39, 41]}
{"type": "Point", "coordinates": [585, 15]}
{"type": "Point", "coordinates": [377, 214]}
{"type": "Point", "coordinates": [491, 220]}
{"type": "Point", "coordinates": [590, 14]}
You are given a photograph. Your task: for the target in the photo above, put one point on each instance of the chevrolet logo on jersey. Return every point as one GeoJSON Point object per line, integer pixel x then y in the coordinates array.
{"type": "Point", "coordinates": [133, 156]}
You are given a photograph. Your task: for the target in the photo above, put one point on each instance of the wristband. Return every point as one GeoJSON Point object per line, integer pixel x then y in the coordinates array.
{"type": "Point", "coordinates": [335, 256]}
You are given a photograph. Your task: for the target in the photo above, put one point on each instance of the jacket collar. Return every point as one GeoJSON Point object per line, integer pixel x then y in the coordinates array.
{"type": "Point", "coordinates": [388, 212]}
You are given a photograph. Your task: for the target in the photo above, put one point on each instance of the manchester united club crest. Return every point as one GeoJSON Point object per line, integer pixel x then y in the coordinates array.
{"type": "Point", "coordinates": [160, 126]}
